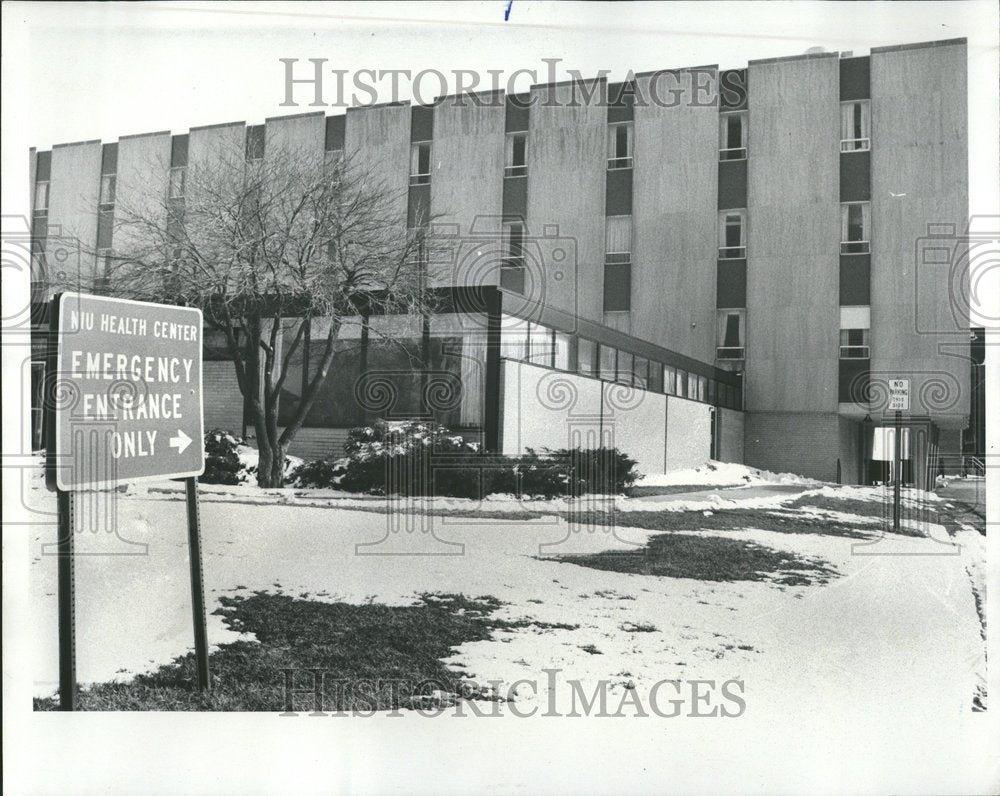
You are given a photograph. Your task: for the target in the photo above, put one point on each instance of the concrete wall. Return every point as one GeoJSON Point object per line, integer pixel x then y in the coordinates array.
{"type": "Point", "coordinates": [794, 235]}
{"type": "Point", "coordinates": [378, 141]}
{"type": "Point", "coordinates": [919, 150]}
{"type": "Point", "coordinates": [544, 408]}
{"type": "Point", "coordinates": [467, 188]}
{"type": "Point", "coordinates": [567, 164]}
{"type": "Point", "coordinates": [729, 428]}
{"type": "Point", "coordinates": [205, 146]}
{"type": "Point", "coordinates": [301, 133]}
{"type": "Point", "coordinates": [689, 433]}
{"type": "Point", "coordinates": [143, 175]}
{"type": "Point", "coordinates": [806, 443]}
{"type": "Point", "coordinates": [674, 217]}
{"type": "Point", "coordinates": [74, 191]}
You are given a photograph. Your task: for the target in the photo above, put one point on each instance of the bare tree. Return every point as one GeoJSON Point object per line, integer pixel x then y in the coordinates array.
{"type": "Point", "coordinates": [265, 247]}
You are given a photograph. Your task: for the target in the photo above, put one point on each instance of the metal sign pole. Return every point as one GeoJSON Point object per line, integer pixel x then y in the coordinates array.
{"type": "Point", "coordinates": [67, 603]}
{"type": "Point", "coordinates": [897, 466]}
{"type": "Point", "coordinates": [197, 585]}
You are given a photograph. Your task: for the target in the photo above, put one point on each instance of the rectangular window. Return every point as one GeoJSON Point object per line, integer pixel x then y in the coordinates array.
{"type": "Point", "coordinates": [855, 325]}
{"type": "Point", "coordinates": [512, 262]}
{"type": "Point", "coordinates": [540, 345]}
{"type": "Point", "coordinates": [516, 159]}
{"type": "Point", "coordinates": [255, 142]}
{"type": "Point", "coordinates": [732, 235]}
{"type": "Point", "coordinates": [108, 184]}
{"type": "Point", "coordinates": [682, 383]}
{"type": "Point", "coordinates": [178, 176]}
{"type": "Point", "coordinates": [420, 163]}
{"type": "Point", "coordinates": [702, 388]}
{"type": "Point", "coordinates": [41, 197]}
{"type": "Point", "coordinates": [607, 357]}
{"type": "Point", "coordinates": [855, 228]}
{"type": "Point", "coordinates": [855, 126]}
{"type": "Point", "coordinates": [620, 145]}
{"type": "Point", "coordinates": [513, 338]}
{"type": "Point", "coordinates": [730, 338]}
{"type": "Point", "coordinates": [669, 380]}
{"type": "Point", "coordinates": [618, 264]}
{"type": "Point", "coordinates": [732, 136]}
{"type": "Point", "coordinates": [562, 345]}
{"type": "Point", "coordinates": [585, 356]}
{"type": "Point", "coordinates": [624, 372]}
{"type": "Point", "coordinates": [640, 372]}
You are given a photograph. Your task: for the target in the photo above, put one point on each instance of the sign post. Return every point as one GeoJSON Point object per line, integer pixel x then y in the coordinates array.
{"type": "Point", "coordinates": [899, 402]}
{"type": "Point", "coordinates": [125, 405]}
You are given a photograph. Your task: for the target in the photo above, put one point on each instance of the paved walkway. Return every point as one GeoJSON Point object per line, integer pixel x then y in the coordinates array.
{"type": "Point", "coordinates": [728, 492]}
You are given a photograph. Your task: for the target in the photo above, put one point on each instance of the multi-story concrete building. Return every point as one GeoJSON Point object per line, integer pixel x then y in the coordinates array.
{"type": "Point", "coordinates": [755, 252]}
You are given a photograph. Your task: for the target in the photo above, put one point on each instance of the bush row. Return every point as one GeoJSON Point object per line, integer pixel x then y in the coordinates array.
{"type": "Point", "coordinates": [415, 459]}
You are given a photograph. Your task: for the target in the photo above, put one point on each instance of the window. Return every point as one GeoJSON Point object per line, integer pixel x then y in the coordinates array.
{"type": "Point", "coordinates": [620, 145]}
{"type": "Point", "coordinates": [730, 342]}
{"type": "Point", "coordinates": [420, 163]}
{"type": "Point", "coordinates": [607, 357]}
{"type": "Point", "coordinates": [513, 338]}
{"type": "Point", "coordinates": [640, 371]}
{"type": "Point", "coordinates": [178, 176]}
{"type": "Point", "coordinates": [669, 380]}
{"type": "Point", "coordinates": [585, 357]}
{"type": "Point", "coordinates": [516, 162]}
{"type": "Point", "coordinates": [41, 197]}
{"type": "Point", "coordinates": [682, 383]}
{"type": "Point", "coordinates": [332, 158]}
{"type": "Point", "coordinates": [702, 388]}
{"type": "Point", "coordinates": [732, 235]}
{"type": "Point", "coordinates": [562, 347]}
{"type": "Point", "coordinates": [540, 345]}
{"type": "Point", "coordinates": [855, 126]}
{"type": "Point", "coordinates": [624, 373]}
{"type": "Point", "coordinates": [732, 136]}
{"type": "Point", "coordinates": [255, 142]}
{"type": "Point", "coordinates": [855, 326]}
{"type": "Point", "coordinates": [618, 264]}
{"type": "Point", "coordinates": [512, 262]}
{"type": "Point", "coordinates": [855, 228]}
{"type": "Point", "coordinates": [108, 184]}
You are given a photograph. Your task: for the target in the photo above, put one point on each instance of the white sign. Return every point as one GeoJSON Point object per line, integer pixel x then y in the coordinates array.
{"type": "Point", "coordinates": [130, 399]}
{"type": "Point", "coordinates": [899, 395]}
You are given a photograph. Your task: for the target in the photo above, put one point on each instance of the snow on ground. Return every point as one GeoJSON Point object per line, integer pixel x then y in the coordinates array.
{"type": "Point", "coordinates": [722, 474]}
{"type": "Point", "coordinates": [899, 624]}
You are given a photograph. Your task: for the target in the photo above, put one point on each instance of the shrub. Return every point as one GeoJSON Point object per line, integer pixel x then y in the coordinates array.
{"type": "Point", "coordinates": [222, 460]}
{"type": "Point", "coordinates": [322, 474]}
{"type": "Point", "coordinates": [415, 458]}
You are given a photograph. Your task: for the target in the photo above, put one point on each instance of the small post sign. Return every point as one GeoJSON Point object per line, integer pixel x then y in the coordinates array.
{"type": "Point", "coordinates": [129, 382]}
{"type": "Point", "coordinates": [899, 395]}
{"type": "Point", "coordinates": [124, 404]}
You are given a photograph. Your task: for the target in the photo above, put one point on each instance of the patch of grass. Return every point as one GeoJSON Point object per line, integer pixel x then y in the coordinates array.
{"type": "Point", "coordinates": [638, 627]}
{"type": "Point", "coordinates": [392, 655]}
{"type": "Point", "coordinates": [590, 649]}
{"type": "Point", "coordinates": [723, 520]}
{"type": "Point", "coordinates": [707, 558]}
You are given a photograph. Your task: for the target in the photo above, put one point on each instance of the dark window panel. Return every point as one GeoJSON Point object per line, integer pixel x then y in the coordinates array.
{"type": "Point", "coordinates": [855, 81]}
{"type": "Point", "coordinates": [109, 159]}
{"type": "Point", "coordinates": [731, 284]}
{"type": "Point", "coordinates": [421, 123]}
{"type": "Point", "coordinates": [855, 176]}
{"type": "Point", "coordinates": [179, 151]}
{"type": "Point", "coordinates": [517, 112]}
{"type": "Point", "coordinates": [855, 280]}
{"type": "Point", "coordinates": [732, 184]}
{"type": "Point", "coordinates": [618, 193]}
{"type": "Point", "coordinates": [43, 166]}
{"type": "Point", "coordinates": [617, 287]}
{"type": "Point", "coordinates": [335, 132]}
{"type": "Point", "coordinates": [515, 196]}
{"type": "Point", "coordinates": [733, 90]}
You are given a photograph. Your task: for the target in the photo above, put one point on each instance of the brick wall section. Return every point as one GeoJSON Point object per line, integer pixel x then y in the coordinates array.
{"type": "Point", "coordinates": [730, 428]}
{"type": "Point", "coordinates": [794, 442]}
{"type": "Point", "coordinates": [223, 399]}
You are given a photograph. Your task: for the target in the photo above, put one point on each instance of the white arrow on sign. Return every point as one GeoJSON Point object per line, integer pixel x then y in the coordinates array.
{"type": "Point", "coordinates": [180, 441]}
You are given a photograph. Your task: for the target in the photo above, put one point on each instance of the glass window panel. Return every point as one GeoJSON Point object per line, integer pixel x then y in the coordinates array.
{"type": "Point", "coordinates": [586, 357]}
{"type": "Point", "coordinates": [640, 371]}
{"type": "Point", "coordinates": [562, 345]}
{"type": "Point", "coordinates": [606, 363]}
{"type": "Point", "coordinates": [624, 367]}
{"type": "Point", "coordinates": [669, 380]}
